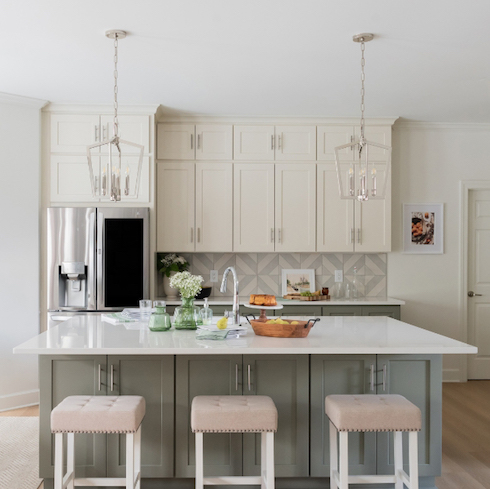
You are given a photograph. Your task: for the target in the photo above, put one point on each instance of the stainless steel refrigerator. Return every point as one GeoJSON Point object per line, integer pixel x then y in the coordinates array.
{"type": "Point", "coordinates": [98, 259]}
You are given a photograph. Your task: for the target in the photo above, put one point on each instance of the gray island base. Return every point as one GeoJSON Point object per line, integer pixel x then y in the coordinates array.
{"type": "Point", "coordinates": [341, 355]}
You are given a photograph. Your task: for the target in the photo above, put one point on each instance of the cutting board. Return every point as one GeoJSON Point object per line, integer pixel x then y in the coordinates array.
{"type": "Point", "coordinates": [309, 298]}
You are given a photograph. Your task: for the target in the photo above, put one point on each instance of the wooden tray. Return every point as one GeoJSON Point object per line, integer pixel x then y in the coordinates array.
{"type": "Point", "coordinates": [308, 298]}
{"type": "Point", "coordinates": [300, 330]}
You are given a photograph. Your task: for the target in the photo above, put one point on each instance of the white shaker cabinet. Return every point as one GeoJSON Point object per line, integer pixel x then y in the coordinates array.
{"type": "Point", "coordinates": [253, 211]}
{"type": "Point", "coordinates": [199, 142]}
{"type": "Point", "coordinates": [194, 207]}
{"type": "Point", "coordinates": [72, 133]}
{"type": "Point", "coordinates": [295, 143]}
{"type": "Point", "coordinates": [133, 128]}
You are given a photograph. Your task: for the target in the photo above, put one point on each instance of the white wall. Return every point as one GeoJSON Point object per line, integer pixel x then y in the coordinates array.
{"type": "Point", "coordinates": [19, 247]}
{"type": "Point", "coordinates": [429, 162]}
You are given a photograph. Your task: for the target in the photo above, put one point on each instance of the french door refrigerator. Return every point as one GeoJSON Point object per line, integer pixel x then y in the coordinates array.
{"type": "Point", "coordinates": [98, 259]}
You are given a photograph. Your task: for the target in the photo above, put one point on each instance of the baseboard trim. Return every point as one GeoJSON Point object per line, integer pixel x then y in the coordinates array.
{"type": "Point", "coordinates": [19, 400]}
{"type": "Point", "coordinates": [451, 375]}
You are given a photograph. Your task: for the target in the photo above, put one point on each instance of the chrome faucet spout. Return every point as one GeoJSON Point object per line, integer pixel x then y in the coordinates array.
{"type": "Point", "coordinates": [236, 302]}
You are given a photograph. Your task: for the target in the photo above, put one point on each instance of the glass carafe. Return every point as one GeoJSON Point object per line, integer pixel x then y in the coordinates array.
{"type": "Point", "coordinates": [206, 314]}
{"type": "Point", "coordinates": [160, 319]}
{"type": "Point", "coordinates": [187, 315]}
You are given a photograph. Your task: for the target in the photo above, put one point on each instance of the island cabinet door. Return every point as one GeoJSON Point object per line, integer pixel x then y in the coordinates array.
{"type": "Point", "coordinates": [206, 375]}
{"type": "Point", "coordinates": [61, 376]}
{"type": "Point", "coordinates": [150, 376]}
{"type": "Point", "coordinates": [340, 374]}
{"type": "Point", "coordinates": [419, 379]}
{"type": "Point", "coordinates": [284, 378]}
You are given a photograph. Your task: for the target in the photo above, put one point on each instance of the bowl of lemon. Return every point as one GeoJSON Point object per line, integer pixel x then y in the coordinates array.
{"type": "Point", "coordinates": [281, 327]}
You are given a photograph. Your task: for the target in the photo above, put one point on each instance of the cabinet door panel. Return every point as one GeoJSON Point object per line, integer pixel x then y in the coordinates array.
{"type": "Point", "coordinates": [419, 379]}
{"type": "Point", "coordinates": [214, 207]}
{"type": "Point", "coordinates": [284, 378]}
{"type": "Point", "coordinates": [295, 143]}
{"type": "Point", "coordinates": [253, 211]}
{"type": "Point", "coordinates": [295, 212]}
{"type": "Point", "coordinates": [153, 378]}
{"type": "Point", "coordinates": [391, 311]}
{"type": "Point", "coordinates": [132, 128]}
{"type": "Point", "coordinates": [72, 133]}
{"type": "Point", "coordinates": [329, 137]}
{"type": "Point", "coordinates": [210, 376]}
{"type": "Point", "coordinates": [214, 142]}
{"type": "Point", "coordinates": [335, 217]}
{"type": "Point", "coordinates": [309, 310]}
{"type": "Point", "coordinates": [342, 310]}
{"type": "Point", "coordinates": [339, 374]}
{"type": "Point", "coordinates": [175, 207]}
{"type": "Point", "coordinates": [376, 134]}
{"type": "Point", "coordinates": [175, 141]}
{"type": "Point", "coordinates": [254, 143]}
{"type": "Point", "coordinates": [60, 377]}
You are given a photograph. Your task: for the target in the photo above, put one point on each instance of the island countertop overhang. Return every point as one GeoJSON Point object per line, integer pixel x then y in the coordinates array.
{"type": "Point", "coordinates": [89, 335]}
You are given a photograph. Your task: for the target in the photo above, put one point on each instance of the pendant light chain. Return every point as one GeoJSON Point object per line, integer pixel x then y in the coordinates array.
{"type": "Point", "coordinates": [363, 77]}
{"type": "Point", "coordinates": [116, 122]}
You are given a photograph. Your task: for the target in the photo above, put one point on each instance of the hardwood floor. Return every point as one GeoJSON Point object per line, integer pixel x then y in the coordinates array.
{"type": "Point", "coordinates": [465, 435]}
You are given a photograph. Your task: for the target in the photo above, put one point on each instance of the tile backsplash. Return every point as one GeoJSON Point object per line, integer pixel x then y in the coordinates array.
{"type": "Point", "coordinates": [261, 273]}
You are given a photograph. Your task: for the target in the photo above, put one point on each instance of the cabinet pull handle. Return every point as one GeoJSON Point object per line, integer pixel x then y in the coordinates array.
{"type": "Point", "coordinates": [359, 235]}
{"type": "Point", "coordinates": [112, 378]}
{"type": "Point", "coordinates": [279, 235]}
{"type": "Point", "coordinates": [371, 378]}
{"type": "Point", "coordinates": [236, 377]}
{"type": "Point", "coordinates": [198, 141]}
{"type": "Point", "coordinates": [96, 133]}
{"type": "Point", "coordinates": [192, 235]}
{"type": "Point", "coordinates": [352, 232]}
{"type": "Point", "coordinates": [100, 377]}
{"type": "Point", "coordinates": [192, 141]}
{"type": "Point", "coordinates": [279, 142]}
{"type": "Point", "coordinates": [198, 235]}
{"type": "Point", "coordinates": [248, 372]}
{"type": "Point", "coordinates": [272, 141]}
{"type": "Point", "coordinates": [272, 235]}
{"type": "Point", "coordinates": [384, 378]}
{"type": "Point", "coordinates": [104, 132]}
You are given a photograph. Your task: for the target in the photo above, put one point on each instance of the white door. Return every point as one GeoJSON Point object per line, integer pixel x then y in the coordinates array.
{"type": "Point", "coordinates": [479, 283]}
{"type": "Point", "coordinates": [132, 128]}
{"type": "Point", "coordinates": [214, 142]}
{"type": "Point", "coordinates": [71, 133]}
{"type": "Point", "coordinates": [295, 143]}
{"type": "Point", "coordinates": [175, 207]}
{"type": "Point", "coordinates": [254, 143]}
{"type": "Point", "coordinates": [175, 141]}
{"type": "Point", "coordinates": [214, 207]}
{"type": "Point", "coordinates": [335, 217]}
{"type": "Point", "coordinates": [253, 210]}
{"type": "Point", "coordinates": [295, 216]}
{"type": "Point", "coordinates": [329, 137]}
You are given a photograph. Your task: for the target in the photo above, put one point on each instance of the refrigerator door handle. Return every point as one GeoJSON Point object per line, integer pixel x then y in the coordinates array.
{"type": "Point", "coordinates": [100, 261]}
{"type": "Point", "coordinates": [92, 265]}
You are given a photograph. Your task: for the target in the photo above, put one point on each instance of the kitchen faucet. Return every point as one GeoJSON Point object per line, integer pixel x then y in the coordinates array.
{"type": "Point", "coordinates": [236, 302]}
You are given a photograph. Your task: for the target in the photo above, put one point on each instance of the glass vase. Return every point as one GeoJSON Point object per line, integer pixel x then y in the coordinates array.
{"type": "Point", "coordinates": [186, 316]}
{"type": "Point", "coordinates": [160, 320]}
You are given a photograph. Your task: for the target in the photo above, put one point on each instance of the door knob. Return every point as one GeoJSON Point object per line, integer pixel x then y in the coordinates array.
{"type": "Point", "coordinates": [472, 294]}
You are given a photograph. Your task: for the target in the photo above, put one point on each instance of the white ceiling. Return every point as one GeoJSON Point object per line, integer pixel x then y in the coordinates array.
{"type": "Point", "coordinates": [430, 60]}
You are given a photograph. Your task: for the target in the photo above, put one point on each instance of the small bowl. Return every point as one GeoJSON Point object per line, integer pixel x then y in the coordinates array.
{"type": "Point", "coordinates": [205, 292]}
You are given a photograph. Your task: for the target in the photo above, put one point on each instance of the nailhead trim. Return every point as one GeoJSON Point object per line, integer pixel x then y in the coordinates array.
{"type": "Point", "coordinates": [234, 431]}
{"type": "Point", "coordinates": [380, 430]}
{"type": "Point", "coordinates": [101, 431]}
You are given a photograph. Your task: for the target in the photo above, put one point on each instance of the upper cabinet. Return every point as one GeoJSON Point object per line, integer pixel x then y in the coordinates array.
{"type": "Point", "coordinates": [199, 142]}
{"type": "Point", "coordinates": [275, 143]}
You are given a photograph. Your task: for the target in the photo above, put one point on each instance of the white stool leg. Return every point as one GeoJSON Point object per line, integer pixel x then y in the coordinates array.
{"type": "Point", "coordinates": [269, 464]}
{"type": "Point", "coordinates": [199, 461]}
{"type": "Point", "coordinates": [70, 459]}
{"type": "Point", "coordinates": [58, 461]}
{"type": "Point", "coordinates": [129, 461]}
{"type": "Point", "coordinates": [413, 459]}
{"type": "Point", "coordinates": [137, 458]}
{"type": "Point", "coordinates": [398, 448]}
{"type": "Point", "coordinates": [334, 455]}
{"type": "Point", "coordinates": [344, 460]}
{"type": "Point", "coordinates": [263, 460]}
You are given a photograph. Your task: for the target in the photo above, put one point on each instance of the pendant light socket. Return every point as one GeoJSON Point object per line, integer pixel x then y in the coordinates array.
{"type": "Point", "coordinates": [112, 34]}
{"type": "Point", "coordinates": [366, 37]}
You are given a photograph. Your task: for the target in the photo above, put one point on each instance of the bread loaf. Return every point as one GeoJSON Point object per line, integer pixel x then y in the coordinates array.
{"type": "Point", "coordinates": [263, 300]}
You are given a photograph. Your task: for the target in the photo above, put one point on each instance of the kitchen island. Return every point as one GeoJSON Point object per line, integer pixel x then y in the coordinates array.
{"type": "Point", "coordinates": [341, 355]}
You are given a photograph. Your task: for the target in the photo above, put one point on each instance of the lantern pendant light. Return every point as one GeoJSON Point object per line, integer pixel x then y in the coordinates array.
{"type": "Point", "coordinates": [361, 179]}
{"type": "Point", "coordinates": [110, 171]}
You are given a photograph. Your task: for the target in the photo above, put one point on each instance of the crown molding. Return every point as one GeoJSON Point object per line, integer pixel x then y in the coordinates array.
{"type": "Point", "coordinates": [100, 109]}
{"type": "Point", "coordinates": [455, 126]}
{"type": "Point", "coordinates": [8, 98]}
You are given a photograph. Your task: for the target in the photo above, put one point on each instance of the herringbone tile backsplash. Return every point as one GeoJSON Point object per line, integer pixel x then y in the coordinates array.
{"type": "Point", "coordinates": [261, 273]}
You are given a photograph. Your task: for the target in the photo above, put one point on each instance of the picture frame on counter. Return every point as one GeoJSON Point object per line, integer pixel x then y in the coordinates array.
{"type": "Point", "coordinates": [423, 229]}
{"type": "Point", "coordinates": [298, 280]}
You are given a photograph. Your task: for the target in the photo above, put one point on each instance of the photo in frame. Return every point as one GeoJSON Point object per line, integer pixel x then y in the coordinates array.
{"type": "Point", "coordinates": [423, 228]}
{"type": "Point", "coordinates": [295, 281]}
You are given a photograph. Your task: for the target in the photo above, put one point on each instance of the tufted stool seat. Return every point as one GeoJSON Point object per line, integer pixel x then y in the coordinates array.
{"type": "Point", "coordinates": [98, 414]}
{"type": "Point", "coordinates": [235, 414]}
{"type": "Point", "coordinates": [368, 412]}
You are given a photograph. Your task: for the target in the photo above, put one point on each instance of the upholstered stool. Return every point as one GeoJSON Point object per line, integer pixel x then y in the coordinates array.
{"type": "Point", "coordinates": [368, 412]}
{"type": "Point", "coordinates": [235, 414]}
{"type": "Point", "coordinates": [98, 414]}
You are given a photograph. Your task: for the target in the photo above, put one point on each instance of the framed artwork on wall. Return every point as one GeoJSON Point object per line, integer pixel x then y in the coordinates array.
{"type": "Point", "coordinates": [296, 281]}
{"type": "Point", "coordinates": [423, 228]}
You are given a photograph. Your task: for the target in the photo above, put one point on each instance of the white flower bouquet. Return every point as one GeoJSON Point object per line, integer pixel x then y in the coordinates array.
{"type": "Point", "coordinates": [188, 285]}
{"type": "Point", "coordinates": [171, 262]}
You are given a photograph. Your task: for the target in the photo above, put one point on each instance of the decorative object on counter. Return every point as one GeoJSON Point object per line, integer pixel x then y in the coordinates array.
{"type": "Point", "coordinates": [263, 309]}
{"type": "Point", "coordinates": [187, 315]}
{"type": "Point", "coordinates": [281, 328]}
{"type": "Point", "coordinates": [423, 228]}
{"type": "Point", "coordinates": [168, 265]}
{"type": "Point", "coordinates": [353, 290]}
{"type": "Point", "coordinates": [263, 300]}
{"type": "Point", "coordinates": [297, 281]}
{"type": "Point", "coordinates": [160, 320]}
{"type": "Point", "coordinates": [206, 314]}
{"type": "Point", "coordinates": [362, 177]}
{"type": "Point", "coordinates": [205, 292]}
{"type": "Point", "coordinates": [309, 297]}
{"type": "Point", "coordinates": [110, 179]}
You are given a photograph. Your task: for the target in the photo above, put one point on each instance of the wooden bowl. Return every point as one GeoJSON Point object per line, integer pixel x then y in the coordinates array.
{"type": "Point", "coordinates": [300, 330]}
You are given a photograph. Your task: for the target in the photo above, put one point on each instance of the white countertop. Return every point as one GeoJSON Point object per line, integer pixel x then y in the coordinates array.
{"type": "Point", "coordinates": [226, 301]}
{"type": "Point", "coordinates": [89, 335]}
